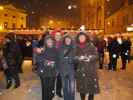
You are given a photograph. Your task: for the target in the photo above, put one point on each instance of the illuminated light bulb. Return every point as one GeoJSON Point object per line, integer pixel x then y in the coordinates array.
{"type": "Point", "coordinates": [1, 27]}
{"type": "Point", "coordinates": [114, 55]}
{"type": "Point", "coordinates": [69, 7]}
{"type": "Point", "coordinates": [1, 8]}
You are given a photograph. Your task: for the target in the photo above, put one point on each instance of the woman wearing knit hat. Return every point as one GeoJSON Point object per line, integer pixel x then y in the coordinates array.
{"type": "Point", "coordinates": [86, 71]}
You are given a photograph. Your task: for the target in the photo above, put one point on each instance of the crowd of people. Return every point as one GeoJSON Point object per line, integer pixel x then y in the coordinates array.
{"type": "Point", "coordinates": [65, 62]}
{"type": "Point", "coordinates": [116, 47]}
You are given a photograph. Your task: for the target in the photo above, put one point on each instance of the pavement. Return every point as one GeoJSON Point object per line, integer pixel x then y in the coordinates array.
{"type": "Point", "coordinates": [114, 85]}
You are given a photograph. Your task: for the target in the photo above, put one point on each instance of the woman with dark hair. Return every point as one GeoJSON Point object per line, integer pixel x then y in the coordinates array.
{"type": "Point", "coordinates": [86, 71]}
{"type": "Point", "coordinates": [66, 68]}
{"type": "Point", "coordinates": [46, 62]}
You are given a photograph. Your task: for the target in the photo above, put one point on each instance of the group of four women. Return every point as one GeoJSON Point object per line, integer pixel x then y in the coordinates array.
{"type": "Point", "coordinates": [76, 61]}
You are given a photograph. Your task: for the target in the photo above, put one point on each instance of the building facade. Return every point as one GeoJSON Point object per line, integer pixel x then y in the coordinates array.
{"type": "Point", "coordinates": [92, 14]}
{"type": "Point", "coordinates": [12, 18]}
{"type": "Point", "coordinates": [54, 22]}
{"type": "Point", "coordinates": [118, 21]}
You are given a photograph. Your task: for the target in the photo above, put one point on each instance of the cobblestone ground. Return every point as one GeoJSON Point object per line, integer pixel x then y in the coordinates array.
{"type": "Point", "coordinates": [114, 86]}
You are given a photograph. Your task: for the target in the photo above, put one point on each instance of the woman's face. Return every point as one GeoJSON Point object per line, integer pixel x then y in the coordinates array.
{"type": "Point", "coordinates": [58, 36]}
{"type": "Point", "coordinates": [82, 39]}
{"type": "Point", "coordinates": [49, 42]}
{"type": "Point", "coordinates": [68, 41]}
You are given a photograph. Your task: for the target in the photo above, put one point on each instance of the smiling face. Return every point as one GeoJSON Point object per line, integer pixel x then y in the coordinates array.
{"type": "Point", "coordinates": [58, 36]}
{"type": "Point", "coordinates": [49, 42]}
{"type": "Point", "coordinates": [82, 38]}
{"type": "Point", "coordinates": [68, 41]}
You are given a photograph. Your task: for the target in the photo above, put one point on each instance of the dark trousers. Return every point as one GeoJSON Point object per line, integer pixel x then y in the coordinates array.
{"type": "Point", "coordinates": [58, 85]}
{"type": "Point", "coordinates": [101, 60]}
{"type": "Point", "coordinates": [110, 57]}
{"type": "Point", "coordinates": [68, 83]}
{"type": "Point", "coordinates": [12, 76]}
{"type": "Point", "coordinates": [113, 63]}
{"type": "Point", "coordinates": [48, 90]}
{"type": "Point", "coordinates": [124, 62]}
{"type": "Point", "coordinates": [90, 97]}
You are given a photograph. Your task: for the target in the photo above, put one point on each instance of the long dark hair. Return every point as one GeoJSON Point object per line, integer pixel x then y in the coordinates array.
{"type": "Point", "coordinates": [81, 33]}
{"type": "Point", "coordinates": [46, 38]}
{"type": "Point", "coordinates": [63, 41]}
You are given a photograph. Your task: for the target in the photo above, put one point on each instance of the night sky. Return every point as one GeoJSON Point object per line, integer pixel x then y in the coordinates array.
{"type": "Point", "coordinates": [44, 7]}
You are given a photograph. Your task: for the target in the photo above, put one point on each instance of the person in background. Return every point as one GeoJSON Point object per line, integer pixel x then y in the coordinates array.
{"type": "Point", "coordinates": [101, 45]}
{"type": "Point", "coordinates": [12, 55]}
{"type": "Point", "coordinates": [114, 50]}
{"type": "Point", "coordinates": [3, 64]}
{"type": "Point", "coordinates": [46, 62]}
{"type": "Point", "coordinates": [86, 69]}
{"type": "Point", "coordinates": [21, 44]}
{"type": "Point", "coordinates": [124, 52]}
{"type": "Point", "coordinates": [57, 34]}
{"type": "Point", "coordinates": [129, 43]}
{"type": "Point", "coordinates": [66, 68]}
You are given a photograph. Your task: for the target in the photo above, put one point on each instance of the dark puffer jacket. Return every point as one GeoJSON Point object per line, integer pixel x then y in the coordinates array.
{"type": "Point", "coordinates": [47, 63]}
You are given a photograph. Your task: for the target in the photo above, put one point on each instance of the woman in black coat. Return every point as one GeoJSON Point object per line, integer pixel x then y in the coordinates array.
{"type": "Point", "coordinates": [86, 71]}
{"type": "Point", "coordinates": [66, 68]}
{"type": "Point", "coordinates": [46, 63]}
{"type": "Point", "coordinates": [12, 55]}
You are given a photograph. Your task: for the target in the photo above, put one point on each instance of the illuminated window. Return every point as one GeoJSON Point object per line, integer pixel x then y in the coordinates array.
{"type": "Point", "coordinates": [22, 18]}
{"type": "Point", "coordinates": [13, 25]}
{"type": "Point", "coordinates": [5, 25]}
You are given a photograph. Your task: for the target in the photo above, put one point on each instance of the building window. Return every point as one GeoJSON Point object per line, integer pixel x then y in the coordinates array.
{"type": "Point", "coordinates": [22, 26]}
{"type": "Point", "coordinates": [13, 16]}
{"type": "Point", "coordinates": [5, 25]}
{"type": "Point", "coordinates": [22, 18]}
{"type": "Point", "coordinates": [125, 20]}
{"type": "Point", "coordinates": [113, 23]}
{"type": "Point", "coordinates": [5, 15]}
{"type": "Point", "coordinates": [13, 25]}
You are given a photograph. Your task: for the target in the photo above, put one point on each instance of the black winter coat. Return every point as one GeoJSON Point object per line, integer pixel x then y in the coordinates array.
{"type": "Point", "coordinates": [12, 55]}
{"type": "Point", "coordinates": [47, 63]}
{"type": "Point", "coordinates": [66, 62]}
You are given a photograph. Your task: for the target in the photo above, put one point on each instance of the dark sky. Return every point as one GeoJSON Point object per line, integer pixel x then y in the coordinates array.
{"type": "Point", "coordinates": [44, 7]}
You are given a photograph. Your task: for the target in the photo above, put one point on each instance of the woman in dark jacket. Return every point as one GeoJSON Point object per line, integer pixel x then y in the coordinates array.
{"type": "Point", "coordinates": [86, 71]}
{"type": "Point", "coordinates": [12, 55]}
{"type": "Point", "coordinates": [66, 68]}
{"type": "Point", "coordinates": [46, 62]}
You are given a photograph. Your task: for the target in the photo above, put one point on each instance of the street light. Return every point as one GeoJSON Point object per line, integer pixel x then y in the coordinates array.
{"type": "Point", "coordinates": [69, 7]}
{"type": "Point", "coordinates": [51, 21]}
{"type": "Point", "coordinates": [1, 27]}
{"type": "Point", "coordinates": [108, 0]}
{"type": "Point", "coordinates": [1, 8]}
